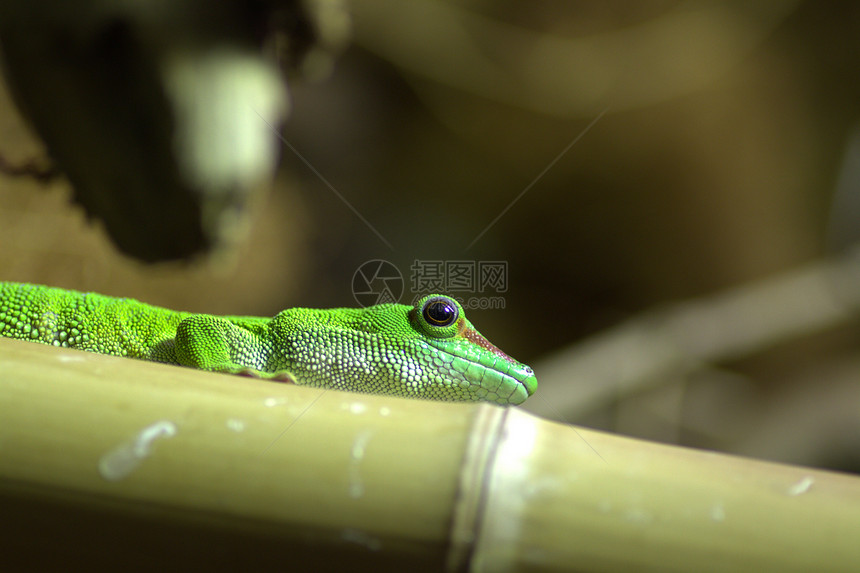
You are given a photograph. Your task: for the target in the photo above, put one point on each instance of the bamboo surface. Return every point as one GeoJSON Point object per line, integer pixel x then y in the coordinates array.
{"type": "Point", "coordinates": [109, 462]}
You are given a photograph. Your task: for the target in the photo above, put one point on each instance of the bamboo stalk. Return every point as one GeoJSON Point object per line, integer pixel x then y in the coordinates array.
{"type": "Point", "coordinates": [567, 499]}
{"type": "Point", "coordinates": [113, 462]}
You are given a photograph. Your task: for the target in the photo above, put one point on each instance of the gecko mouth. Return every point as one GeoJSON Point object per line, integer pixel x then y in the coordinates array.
{"type": "Point", "coordinates": [527, 382]}
{"type": "Point", "coordinates": [508, 381]}
{"type": "Point", "coordinates": [519, 371]}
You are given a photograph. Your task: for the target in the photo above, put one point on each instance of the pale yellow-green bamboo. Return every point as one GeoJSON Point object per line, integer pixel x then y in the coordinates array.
{"type": "Point", "coordinates": [568, 499]}
{"type": "Point", "coordinates": [107, 461]}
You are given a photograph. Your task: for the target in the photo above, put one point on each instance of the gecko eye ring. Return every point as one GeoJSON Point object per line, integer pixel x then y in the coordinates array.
{"type": "Point", "coordinates": [440, 311]}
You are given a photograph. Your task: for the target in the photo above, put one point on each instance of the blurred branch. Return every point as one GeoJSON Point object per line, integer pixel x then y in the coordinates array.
{"type": "Point", "coordinates": [816, 420]}
{"type": "Point", "coordinates": [684, 49]}
{"type": "Point", "coordinates": [671, 343]}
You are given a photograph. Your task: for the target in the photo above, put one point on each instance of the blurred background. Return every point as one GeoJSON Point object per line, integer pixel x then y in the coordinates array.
{"type": "Point", "coordinates": [673, 186]}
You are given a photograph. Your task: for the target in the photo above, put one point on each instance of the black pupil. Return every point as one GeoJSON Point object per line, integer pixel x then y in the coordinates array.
{"type": "Point", "coordinates": [440, 313]}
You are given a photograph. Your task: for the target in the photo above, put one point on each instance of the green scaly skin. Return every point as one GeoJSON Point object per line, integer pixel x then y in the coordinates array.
{"type": "Point", "coordinates": [427, 351]}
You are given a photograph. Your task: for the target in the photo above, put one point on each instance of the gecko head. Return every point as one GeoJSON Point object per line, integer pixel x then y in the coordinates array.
{"type": "Point", "coordinates": [467, 362]}
{"type": "Point", "coordinates": [429, 350]}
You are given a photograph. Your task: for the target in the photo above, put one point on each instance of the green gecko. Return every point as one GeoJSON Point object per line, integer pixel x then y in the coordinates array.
{"type": "Point", "coordinates": [427, 351]}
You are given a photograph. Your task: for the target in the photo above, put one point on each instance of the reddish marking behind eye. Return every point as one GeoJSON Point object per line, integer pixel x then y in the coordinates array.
{"type": "Point", "coordinates": [474, 337]}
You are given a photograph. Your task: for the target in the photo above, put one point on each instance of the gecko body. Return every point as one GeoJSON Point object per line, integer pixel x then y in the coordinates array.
{"type": "Point", "coordinates": [429, 350]}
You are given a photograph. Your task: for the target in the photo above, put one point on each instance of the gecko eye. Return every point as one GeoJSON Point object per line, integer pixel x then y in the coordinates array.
{"type": "Point", "coordinates": [440, 311]}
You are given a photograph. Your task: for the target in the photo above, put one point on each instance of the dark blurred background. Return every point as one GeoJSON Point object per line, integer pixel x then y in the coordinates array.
{"type": "Point", "coordinates": [720, 157]}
